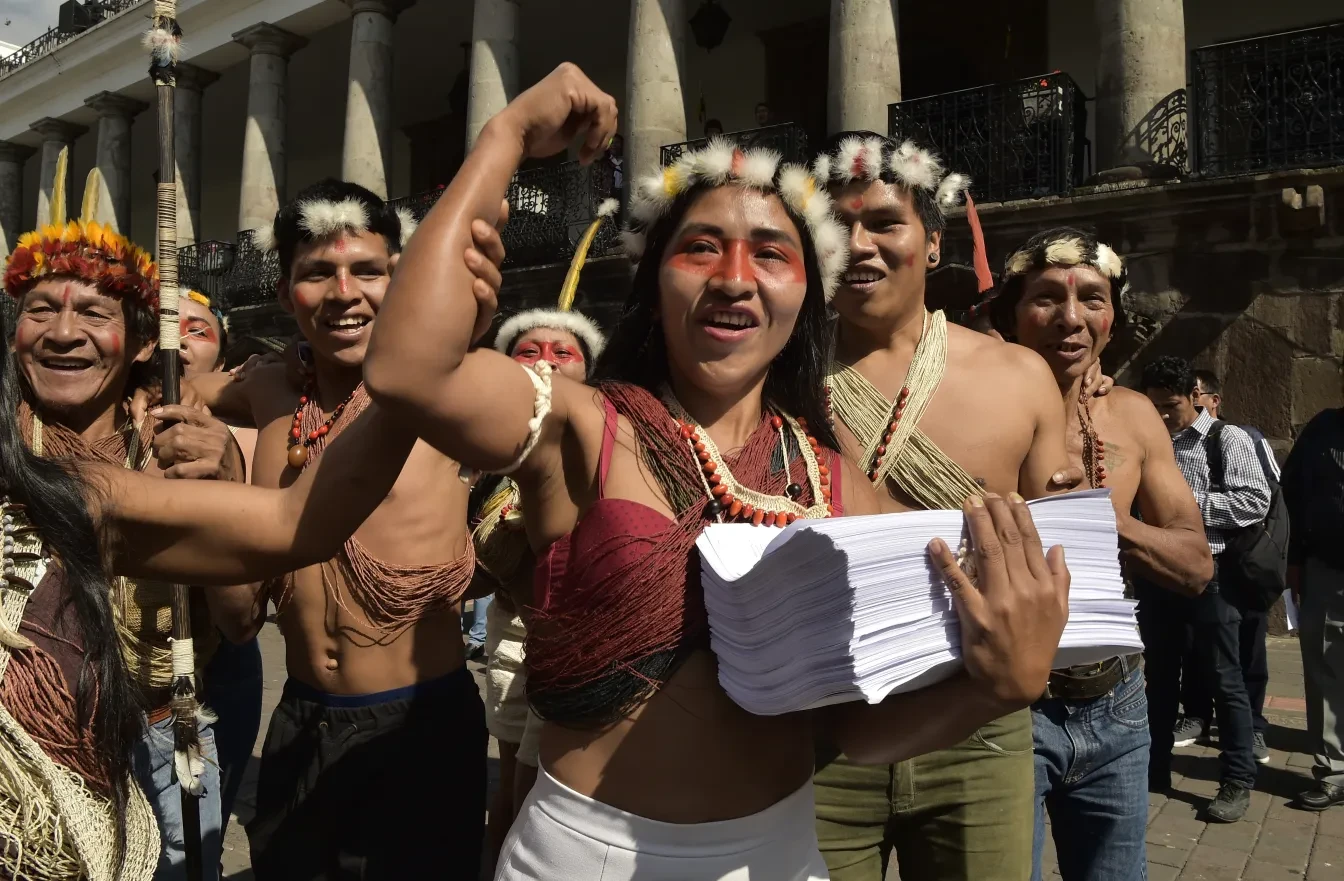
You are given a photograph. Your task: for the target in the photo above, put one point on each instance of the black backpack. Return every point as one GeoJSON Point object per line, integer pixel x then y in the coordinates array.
{"type": "Point", "coordinates": [1254, 567]}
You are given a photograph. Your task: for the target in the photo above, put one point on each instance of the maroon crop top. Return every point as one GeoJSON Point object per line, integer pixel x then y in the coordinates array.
{"type": "Point", "coordinates": [611, 534]}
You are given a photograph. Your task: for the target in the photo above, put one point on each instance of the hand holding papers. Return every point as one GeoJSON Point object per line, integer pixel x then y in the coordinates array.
{"type": "Point", "coordinates": [828, 611]}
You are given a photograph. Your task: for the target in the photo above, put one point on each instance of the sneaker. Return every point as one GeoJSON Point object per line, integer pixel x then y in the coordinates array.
{"type": "Point", "coordinates": [476, 652]}
{"type": "Point", "coordinates": [1230, 804]}
{"type": "Point", "coordinates": [1261, 751]}
{"type": "Point", "coordinates": [1327, 795]}
{"type": "Point", "coordinates": [1189, 731]}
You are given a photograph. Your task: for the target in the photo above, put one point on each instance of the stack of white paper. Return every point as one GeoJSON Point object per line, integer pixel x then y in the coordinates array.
{"type": "Point", "coordinates": [827, 611]}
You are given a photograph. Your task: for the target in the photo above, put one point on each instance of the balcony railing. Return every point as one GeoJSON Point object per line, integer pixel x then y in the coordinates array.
{"type": "Point", "coordinates": [1270, 102]}
{"type": "Point", "coordinates": [788, 140]}
{"type": "Point", "coordinates": [95, 10]}
{"type": "Point", "coordinates": [1017, 140]}
{"type": "Point", "coordinates": [549, 209]}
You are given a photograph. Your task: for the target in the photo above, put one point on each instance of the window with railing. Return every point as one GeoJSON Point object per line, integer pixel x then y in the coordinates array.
{"type": "Point", "coordinates": [1016, 140]}
{"type": "Point", "coordinates": [84, 17]}
{"type": "Point", "coordinates": [1270, 102]}
{"type": "Point", "coordinates": [788, 140]}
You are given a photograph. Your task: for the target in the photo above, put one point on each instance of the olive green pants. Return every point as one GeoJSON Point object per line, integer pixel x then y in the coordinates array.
{"type": "Point", "coordinates": [960, 813]}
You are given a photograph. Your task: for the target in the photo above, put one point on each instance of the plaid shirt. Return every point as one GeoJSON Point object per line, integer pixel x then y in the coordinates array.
{"type": "Point", "coordinates": [1244, 499]}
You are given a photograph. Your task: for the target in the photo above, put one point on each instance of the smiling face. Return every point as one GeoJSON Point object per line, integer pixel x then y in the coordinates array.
{"type": "Point", "coordinates": [889, 252]}
{"type": "Point", "coordinates": [731, 285]}
{"type": "Point", "coordinates": [335, 289]}
{"type": "Point", "coordinates": [201, 336]}
{"type": "Point", "coordinates": [73, 346]}
{"type": "Point", "coordinates": [558, 347]}
{"type": "Point", "coordinates": [1065, 314]}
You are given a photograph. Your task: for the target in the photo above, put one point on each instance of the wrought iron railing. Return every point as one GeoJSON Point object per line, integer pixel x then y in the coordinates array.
{"type": "Point", "coordinates": [1016, 140]}
{"type": "Point", "coordinates": [231, 275]}
{"type": "Point", "coordinates": [99, 10]}
{"type": "Point", "coordinates": [788, 140]}
{"type": "Point", "coordinates": [1270, 102]}
{"type": "Point", "coordinates": [549, 209]}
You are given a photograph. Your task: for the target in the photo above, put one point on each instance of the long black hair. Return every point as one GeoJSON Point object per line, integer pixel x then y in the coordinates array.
{"type": "Point", "coordinates": [796, 381]}
{"type": "Point", "coordinates": [54, 495]}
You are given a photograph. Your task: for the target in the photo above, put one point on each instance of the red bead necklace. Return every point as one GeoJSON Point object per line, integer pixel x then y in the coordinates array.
{"type": "Point", "coordinates": [298, 444]}
{"type": "Point", "coordinates": [730, 501]}
{"type": "Point", "coordinates": [1094, 449]}
{"type": "Point", "coordinates": [897, 410]}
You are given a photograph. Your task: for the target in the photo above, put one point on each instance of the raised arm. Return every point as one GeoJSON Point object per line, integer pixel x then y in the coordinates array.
{"type": "Point", "coordinates": [475, 405]}
{"type": "Point", "coordinates": [1167, 547]}
{"type": "Point", "coordinates": [208, 532]}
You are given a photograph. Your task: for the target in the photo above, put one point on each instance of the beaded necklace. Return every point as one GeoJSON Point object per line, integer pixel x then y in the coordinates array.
{"type": "Point", "coordinates": [730, 500]}
{"type": "Point", "coordinates": [1094, 450]}
{"type": "Point", "coordinates": [299, 444]}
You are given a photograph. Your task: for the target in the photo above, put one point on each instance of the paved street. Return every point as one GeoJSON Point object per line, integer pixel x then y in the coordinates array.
{"type": "Point", "coordinates": [1274, 842]}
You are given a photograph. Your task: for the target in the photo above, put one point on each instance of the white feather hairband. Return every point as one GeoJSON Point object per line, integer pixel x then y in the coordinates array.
{"type": "Point", "coordinates": [722, 162]}
{"type": "Point", "coordinates": [870, 159]}
{"type": "Point", "coordinates": [320, 218]}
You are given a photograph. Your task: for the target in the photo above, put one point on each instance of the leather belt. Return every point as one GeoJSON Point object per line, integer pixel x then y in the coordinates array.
{"type": "Point", "coordinates": [1089, 681]}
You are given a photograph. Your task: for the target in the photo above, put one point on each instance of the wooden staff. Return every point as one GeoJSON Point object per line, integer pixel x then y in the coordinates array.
{"type": "Point", "coordinates": [164, 42]}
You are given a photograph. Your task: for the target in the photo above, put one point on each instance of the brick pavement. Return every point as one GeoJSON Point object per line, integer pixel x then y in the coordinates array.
{"type": "Point", "coordinates": [1274, 842]}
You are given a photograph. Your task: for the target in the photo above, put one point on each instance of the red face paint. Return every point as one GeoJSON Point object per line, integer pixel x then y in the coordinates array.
{"type": "Point", "coordinates": [339, 245]}
{"type": "Point", "coordinates": [343, 283]}
{"type": "Point", "coordinates": [1072, 283]}
{"type": "Point", "coordinates": [557, 353]}
{"type": "Point", "coordinates": [910, 261]}
{"type": "Point", "coordinates": [739, 260]}
{"type": "Point", "coordinates": [199, 328]}
{"type": "Point", "coordinates": [115, 345]}
{"type": "Point", "coordinates": [1105, 325]}
{"type": "Point", "coordinates": [856, 203]}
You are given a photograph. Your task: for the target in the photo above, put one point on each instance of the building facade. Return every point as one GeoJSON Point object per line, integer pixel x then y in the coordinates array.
{"type": "Point", "coordinates": [1214, 162]}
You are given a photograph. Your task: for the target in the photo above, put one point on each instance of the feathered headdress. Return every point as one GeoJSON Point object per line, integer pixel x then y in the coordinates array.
{"type": "Point", "coordinates": [1061, 246]}
{"type": "Point", "coordinates": [320, 218]}
{"type": "Point", "coordinates": [723, 162]}
{"type": "Point", "coordinates": [198, 297]}
{"type": "Point", "coordinates": [82, 249]}
{"type": "Point", "coordinates": [562, 317]}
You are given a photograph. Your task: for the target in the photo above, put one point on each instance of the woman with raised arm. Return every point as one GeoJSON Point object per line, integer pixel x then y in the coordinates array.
{"type": "Point", "coordinates": [709, 406]}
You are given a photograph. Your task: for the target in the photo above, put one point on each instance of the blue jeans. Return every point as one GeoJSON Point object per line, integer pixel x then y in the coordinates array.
{"type": "Point", "coordinates": [233, 682]}
{"type": "Point", "coordinates": [152, 762]}
{"type": "Point", "coordinates": [476, 633]}
{"type": "Point", "coordinates": [1092, 776]}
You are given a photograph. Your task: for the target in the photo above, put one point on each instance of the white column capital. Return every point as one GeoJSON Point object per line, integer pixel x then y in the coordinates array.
{"type": "Point", "coordinates": [111, 104]}
{"type": "Point", "coordinates": [18, 153]}
{"type": "Point", "coordinates": [387, 8]}
{"type": "Point", "coordinates": [267, 39]}
{"type": "Point", "coordinates": [194, 79]}
{"type": "Point", "coordinates": [58, 130]}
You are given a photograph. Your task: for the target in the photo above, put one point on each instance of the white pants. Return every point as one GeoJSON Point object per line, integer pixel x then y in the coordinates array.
{"type": "Point", "coordinates": [560, 834]}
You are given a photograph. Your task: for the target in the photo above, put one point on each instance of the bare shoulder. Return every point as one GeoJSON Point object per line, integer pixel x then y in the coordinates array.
{"type": "Point", "coordinates": [1000, 363]}
{"type": "Point", "coordinates": [269, 392]}
{"type": "Point", "coordinates": [1139, 417]}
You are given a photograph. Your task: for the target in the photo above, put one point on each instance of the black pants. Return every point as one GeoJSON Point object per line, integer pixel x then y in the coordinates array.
{"type": "Point", "coordinates": [1195, 696]}
{"type": "Point", "coordinates": [388, 791]}
{"type": "Point", "coordinates": [1216, 626]}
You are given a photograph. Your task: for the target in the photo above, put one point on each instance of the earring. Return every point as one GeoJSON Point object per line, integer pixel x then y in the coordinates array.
{"type": "Point", "coordinates": [933, 258]}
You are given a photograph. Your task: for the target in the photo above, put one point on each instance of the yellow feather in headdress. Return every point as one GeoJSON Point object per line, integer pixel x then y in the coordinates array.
{"type": "Point", "coordinates": [93, 186]}
{"type": "Point", "coordinates": [58, 215]}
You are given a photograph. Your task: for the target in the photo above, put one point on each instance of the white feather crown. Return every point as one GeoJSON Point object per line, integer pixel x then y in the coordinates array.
{"type": "Point", "coordinates": [874, 158]}
{"type": "Point", "coordinates": [583, 328]}
{"type": "Point", "coordinates": [721, 163]}
{"type": "Point", "coordinates": [320, 218]}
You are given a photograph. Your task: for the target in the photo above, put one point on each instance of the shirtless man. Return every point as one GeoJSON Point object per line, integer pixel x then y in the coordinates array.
{"type": "Point", "coordinates": [987, 421]}
{"type": "Point", "coordinates": [380, 718]}
{"type": "Point", "coordinates": [1060, 296]}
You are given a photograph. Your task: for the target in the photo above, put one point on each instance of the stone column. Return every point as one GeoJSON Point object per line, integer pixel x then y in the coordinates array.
{"type": "Point", "coordinates": [56, 135]}
{"type": "Point", "coordinates": [367, 152]}
{"type": "Point", "coordinates": [494, 62]}
{"type": "Point", "coordinates": [1142, 62]}
{"type": "Point", "coordinates": [263, 179]}
{"type": "Point", "coordinates": [114, 157]}
{"type": "Point", "coordinates": [12, 157]}
{"type": "Point", "coordinates": [655, 110]}
{"type": "Point", "coordinates": [865, 65]}
{"type": "Point", "coordinates": [191, 83]}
